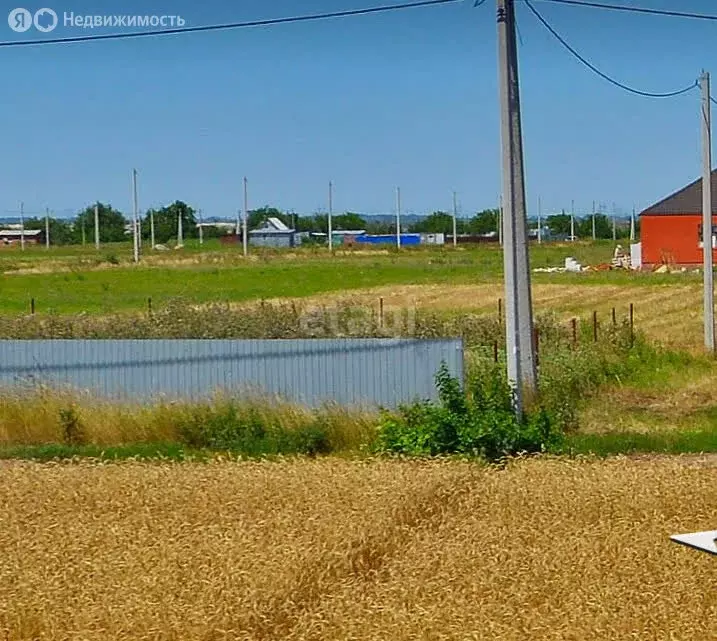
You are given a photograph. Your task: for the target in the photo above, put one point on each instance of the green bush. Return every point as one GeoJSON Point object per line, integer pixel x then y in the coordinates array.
{"type": "Point", "coordinates": [247, 431]}
{"type": "Point", "coordinates": [478, 422]}
{"type": "Point", "coordinates": [73, 433]}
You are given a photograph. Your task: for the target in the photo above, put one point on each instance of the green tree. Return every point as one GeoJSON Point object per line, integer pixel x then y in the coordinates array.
{"type": "Point", "coordinates": [258, 216]}
{"type": "Point", "coordinates": [166, 222]}
{"type": "Point", "coordinates": [112, 224]}
{"type": "Point", "coordinates": [348, 221]}
{"type": "Point", "coordinates": [60, 230]}
{"type": "Point", "coordinates": [559, 224]}
{"type": "Point", "coordinates": [484, 222]}
{"type": "Point", "coordinates": [439, 222]}
{"type": "Point", "coordinates": [603, 227]}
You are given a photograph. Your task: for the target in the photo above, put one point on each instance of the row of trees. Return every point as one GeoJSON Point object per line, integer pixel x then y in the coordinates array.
{"type": "Point", "coordinates": [113, 224]}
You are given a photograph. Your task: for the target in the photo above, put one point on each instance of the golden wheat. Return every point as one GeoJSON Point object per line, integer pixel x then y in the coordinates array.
{"type": "Point", "coordinates": [670, 314]}
{"type": "Point", "coordinates": [330, 549]}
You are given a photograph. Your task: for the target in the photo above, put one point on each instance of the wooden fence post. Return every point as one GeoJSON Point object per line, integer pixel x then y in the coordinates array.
{"type": "Point", "coordinates": [575, 332]}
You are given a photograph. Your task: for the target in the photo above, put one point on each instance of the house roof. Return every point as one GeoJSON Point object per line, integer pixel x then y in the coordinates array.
{"type": "Point", "coordinates": [272, 226]}
{"type": "Point", "coordinates": [277, 224]}
{"type": "Point", "coordinates": [687, 200]}
{"type": "Point", "coordinates": [17, 233]}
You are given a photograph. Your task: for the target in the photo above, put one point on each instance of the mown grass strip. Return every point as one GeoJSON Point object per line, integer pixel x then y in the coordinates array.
{"type": "Point", "coordinates": [658, 442]}
{"type": "Point", "coordinates": [137, 451]}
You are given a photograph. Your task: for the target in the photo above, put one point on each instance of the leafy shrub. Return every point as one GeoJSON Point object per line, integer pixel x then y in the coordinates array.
{"type": "Point", "coordinates": [73, 432]}
{"type": "Point", "coordinates": [479, 422]}
{"type": "Point", "coordinates": [248, 431]}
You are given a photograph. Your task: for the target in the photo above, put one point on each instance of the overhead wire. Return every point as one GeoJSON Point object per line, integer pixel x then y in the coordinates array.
{"type": "Point", "coordinates": [230, 25]}
{"type": "Point", "coordinates": [602, 74]}
{"type": "Point", "coordinates": [629, 9]}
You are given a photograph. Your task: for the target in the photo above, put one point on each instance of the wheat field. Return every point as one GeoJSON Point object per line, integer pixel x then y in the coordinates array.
{"type": "Point", "coordinates": [334, 549]}
{"type": "Point", "coordinates": [668, 313]}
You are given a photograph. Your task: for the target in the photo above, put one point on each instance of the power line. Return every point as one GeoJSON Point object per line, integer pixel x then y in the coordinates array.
{"type": "Point", "coordinates": [594, 69]}
{"type": "Point", "coordinates": [617, 7]}
{"type": "Point", "coordinates": [231, 25]}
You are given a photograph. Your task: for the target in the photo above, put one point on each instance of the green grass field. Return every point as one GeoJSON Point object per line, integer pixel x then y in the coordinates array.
{"type": "Point", "coordinates": [77, 279]}
{"type": "Point", "coordinates": [670, 409]}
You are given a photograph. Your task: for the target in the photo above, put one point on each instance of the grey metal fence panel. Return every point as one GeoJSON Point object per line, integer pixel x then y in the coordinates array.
{"type": "Point", "coordinates": [382, 372]}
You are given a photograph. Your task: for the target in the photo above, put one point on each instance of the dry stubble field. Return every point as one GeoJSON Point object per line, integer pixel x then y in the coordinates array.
{"type": "Point", "coordinates": [332, 549]}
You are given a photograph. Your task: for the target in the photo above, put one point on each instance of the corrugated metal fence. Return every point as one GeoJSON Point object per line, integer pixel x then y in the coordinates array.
{"type": "Point", "coordinates": [382, 372]}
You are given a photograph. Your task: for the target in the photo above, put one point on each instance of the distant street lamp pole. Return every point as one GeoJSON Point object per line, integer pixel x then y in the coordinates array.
{"type": "Point", "coordinates": [180, 229]}
{"type": "Point", "coordinates": [245, 239]}
{"type": "Point", "coordinates": [136, 216]}
{"type": "Point", "coordinates": [22, 226]}
{"type": "Point", "coordinates": [331, 215]}
{"type": "Point", "coordinates": [398, 217]}
{"type": "Point", "coordinates": [97, 226]}
{"type": "Point", "coordinates": [151, 227]}
{"type": "Point", "coordinates": [540, 221]}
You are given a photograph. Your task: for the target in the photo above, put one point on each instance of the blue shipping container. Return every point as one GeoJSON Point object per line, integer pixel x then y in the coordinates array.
{"type": "Point", "coordinates": [406, 239]}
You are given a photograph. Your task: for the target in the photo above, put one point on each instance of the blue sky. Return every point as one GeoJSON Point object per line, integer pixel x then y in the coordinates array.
{"type": "Point", "coordinates": [406, 98]}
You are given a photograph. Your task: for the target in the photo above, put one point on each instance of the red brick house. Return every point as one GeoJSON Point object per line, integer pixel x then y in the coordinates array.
{"type": "Point", "coordinates": [671, 230]}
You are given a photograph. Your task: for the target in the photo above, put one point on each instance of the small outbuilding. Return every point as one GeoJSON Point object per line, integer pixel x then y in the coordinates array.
{"type": "Point", "coordinates": [671, 230]}
{"type": "Point", "coordinates": [17, 236]}
{"type": "Point", "coordinates": [273, 233]}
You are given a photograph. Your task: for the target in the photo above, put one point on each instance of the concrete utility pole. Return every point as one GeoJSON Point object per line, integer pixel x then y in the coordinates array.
{"type": "Point", "coordinates": [398, 217]}
{"type": "Point", "coordinates": [151, 228]}
{"type": "Point", "coordinates": [594, 235]}
{"type": "Point", "coordinates": [22, 226]}
{"type": "Point", "coordinates": [706, 118]}
{"type": "Point", "coordinates": [455, 222]}
{"type": "Point", "coordinates": [540, 221]}
{"type": "Point", "coordinates": [500, 221]}
{"type": "Point", "coordinates": [136, 216]}
{"type": "Point", "coordinates": [180, 230]}
{"type": "Point", "coordinates": [520, 342]}
{"type": "Point", "coordinates": [97, 227]}
{"type": "Point", "coordinates": [331, 215]}
{"type": "Point", "coordinates": [201, 227]}
{"type": "Point", "coordinates": [245, 236]}
{"type": "Point", "coordinates": [47, 228]}
{"type": "Point", "coordinates": [614, 222]}
{"type": "Point", "coordinates": [572, 221]}
{"type": "Point", "coordinates": [632, 226]}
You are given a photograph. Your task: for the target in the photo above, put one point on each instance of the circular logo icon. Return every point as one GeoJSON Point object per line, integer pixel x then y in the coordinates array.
{"type": "Point", "coordinates": [45, 20]}
{"type": "Point", "coordinates": [20, 20]}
